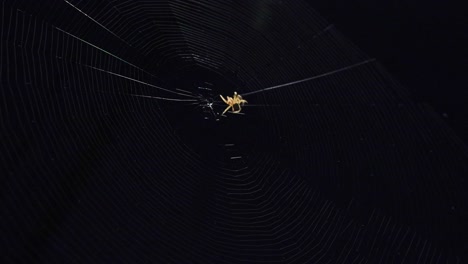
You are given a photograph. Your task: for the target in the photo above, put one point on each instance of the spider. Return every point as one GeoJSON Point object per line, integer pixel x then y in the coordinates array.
{"type": "Point", "coordinates": [236, 99]}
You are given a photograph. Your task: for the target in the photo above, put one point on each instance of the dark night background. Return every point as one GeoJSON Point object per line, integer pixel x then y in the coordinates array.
{"type": "Point", "coordinates": [422, 43]}
{"type": "Point", "coordinates": [365, 165]}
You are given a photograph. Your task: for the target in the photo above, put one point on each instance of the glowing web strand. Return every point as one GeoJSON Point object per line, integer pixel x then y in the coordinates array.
{"type": "Point", "coordinates": [95, 21]}
{"type": "Point", "coordinates": [163, 98]}
{"type": "Point", "coordinates": [308, 79]}
{"type": "Point", "coordinates": [96, 47]}
{"type": "Point", "coordinates": [117, 57]}
{"type": "Point", "coordinates": [148, 84]}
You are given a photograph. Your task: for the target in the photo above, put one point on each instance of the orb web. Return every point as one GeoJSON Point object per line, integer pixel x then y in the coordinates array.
{"type": "Point", "coordinates": [111, 150]}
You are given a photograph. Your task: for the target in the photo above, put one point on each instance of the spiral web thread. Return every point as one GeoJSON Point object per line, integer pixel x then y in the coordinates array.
{"type": "Point", "coordinates": [82, 146]}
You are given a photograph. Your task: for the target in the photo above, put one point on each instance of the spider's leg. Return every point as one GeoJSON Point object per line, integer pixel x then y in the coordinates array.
{"type": "Point", "coordinates": [225, 110]}
{"type": "Point", "coordinates": [224, 99]}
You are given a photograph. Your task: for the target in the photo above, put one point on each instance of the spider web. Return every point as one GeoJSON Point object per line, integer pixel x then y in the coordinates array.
{"type": "Point", "coordinates": [108, 154]}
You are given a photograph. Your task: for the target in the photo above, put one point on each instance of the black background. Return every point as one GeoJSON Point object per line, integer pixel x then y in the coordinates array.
{"type": "Point", "coordinates": [423, 44]}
